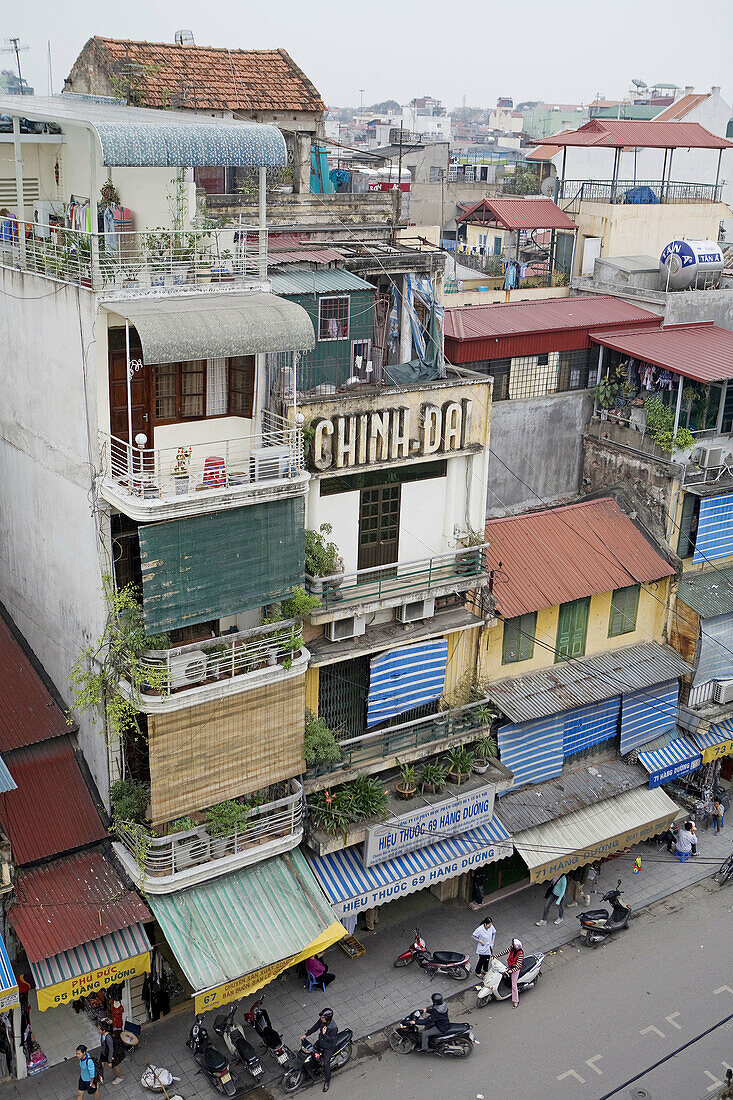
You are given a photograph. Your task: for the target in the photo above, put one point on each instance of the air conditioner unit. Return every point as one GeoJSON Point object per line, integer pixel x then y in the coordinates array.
{"type": "Point", "coordinates": [270, 463]}
{"type": "Point", "coordinates": [415, 610]}
{"type": "Point", "coordinates": [187, 668]}
{"type": "Point", "coordinates": [341, 630]}
{"type": "Point", "coordinates": [723, 691]}
{"type": "Point", "coordinates": [191, 851]}
{"type": "Point", "coordinates": [710, 456]}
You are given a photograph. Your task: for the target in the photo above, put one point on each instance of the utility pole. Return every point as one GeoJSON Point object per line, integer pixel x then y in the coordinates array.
{"type": "Point", "coordinates": [361, 101]}
{"type": "Point", "coordinates": [15, 47]}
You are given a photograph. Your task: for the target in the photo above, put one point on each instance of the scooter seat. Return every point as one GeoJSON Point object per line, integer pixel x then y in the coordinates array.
{"type": "Point", "coordinates": [214, 1059]}
{"type": "Point", "coordinates": [448, 957]}
{"type": "Point", "coordinates": [594, 914]}
{"type": "Point", "coordinates": [454, 1029]}
{"type": "Point", "coordinates": [343, 1037]}
{"type": "Point", "coordinates": [530, 961]}
{"type": "Point", "coordinates": [245, 1050]}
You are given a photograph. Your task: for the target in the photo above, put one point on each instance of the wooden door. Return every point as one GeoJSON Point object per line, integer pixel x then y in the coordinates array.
{"type": "Point", "coordinates": [379, 526]}
{"type": "Point", "coordinates": [572, 627]}
{"type": "Point", "coordinates": [139, 393]}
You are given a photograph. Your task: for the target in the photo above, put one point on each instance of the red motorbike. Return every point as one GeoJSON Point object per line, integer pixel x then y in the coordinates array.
{"type": "Point", "coordinates": [451, 963]}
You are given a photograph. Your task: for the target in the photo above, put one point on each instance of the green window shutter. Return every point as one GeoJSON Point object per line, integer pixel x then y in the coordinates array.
{"type": "Point", "coordinates": [572, 627]}
{"type": "Point", "coordinates": [518, 640]}
{"type": "Point", "coordinates": [688, 525]}
{"type": "Point", "coordinates": [624, 608]}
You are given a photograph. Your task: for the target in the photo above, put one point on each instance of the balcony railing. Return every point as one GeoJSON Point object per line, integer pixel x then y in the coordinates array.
{"type": "Point", "coordinates": [607, 191]}
{"type": "Point", "coordinates": [151, 260]}
{"type": "Point", "coordinates": [167, 474]}
{"type": "Point", "coordinates": [196, 854]}
{"type": "Point", "coordinates": [464, 569]}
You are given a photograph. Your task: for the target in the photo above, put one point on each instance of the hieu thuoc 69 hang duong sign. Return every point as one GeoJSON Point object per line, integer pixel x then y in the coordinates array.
{"type": "Point", "coordinates": [390, 435]}
{"type": "Point", "coordinates": [428, 825]}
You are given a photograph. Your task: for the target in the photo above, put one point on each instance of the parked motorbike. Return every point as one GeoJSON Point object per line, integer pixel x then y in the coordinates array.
{"type": "Point", "coordinates": [212, 1061]}
{"type": "Point", "coordinates": [452, 963]}
{"type": "Point", "coordinates": [457, 1042]}
{"type": "Point", "coordinates": [497, 984]}
{"type": "Point", "coordinates": [597, 925]}
{"type": "Point", "coordinates": [259, 1018]}
{"type": "Point", "coordinates": [237, 1044]}
{"type": "Point", "coordinates": [309, 1062]}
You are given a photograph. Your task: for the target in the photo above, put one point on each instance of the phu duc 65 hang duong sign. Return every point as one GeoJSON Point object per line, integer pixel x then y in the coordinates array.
{"type": "Point", "coordinates": [388, 435]}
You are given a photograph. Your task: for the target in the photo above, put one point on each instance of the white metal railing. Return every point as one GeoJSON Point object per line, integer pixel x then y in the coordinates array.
{"type": "Point", "coordinates": [152, 259]}
{"type": "Point", "coordinates": [164, 473]}
{"type": "Point", "coordinates": [247, 651]}
{"type": "Point", "coordinates": [702, 693]}
{"type": "Point", "coordinates": [169, 855]}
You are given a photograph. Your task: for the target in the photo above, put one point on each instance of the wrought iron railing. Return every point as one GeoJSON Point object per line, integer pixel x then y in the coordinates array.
{"type": "Point", "coordinates": [607, 191]}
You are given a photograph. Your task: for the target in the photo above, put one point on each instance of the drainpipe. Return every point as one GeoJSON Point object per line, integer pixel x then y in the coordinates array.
{"type": "Point", "coordinates": [19, 188]}
{"type": "Point", "coordinates": [717, 175]}
{"type": "Point", "coordinates": [721, 408]}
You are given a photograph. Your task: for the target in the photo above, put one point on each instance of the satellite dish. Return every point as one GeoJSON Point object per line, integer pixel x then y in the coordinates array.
{"type": "Point", "coordinates": [547, 187]}
{"type": "Point", "coordinates": [639, 83]}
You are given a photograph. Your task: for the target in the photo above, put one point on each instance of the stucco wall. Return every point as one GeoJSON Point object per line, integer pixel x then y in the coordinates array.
{"type": "Point", "coordinates": [490, 297]}
{"type": "Point", "coordinates": [629, 230]}
{"type": "Point", "coordinates": [606, 464]}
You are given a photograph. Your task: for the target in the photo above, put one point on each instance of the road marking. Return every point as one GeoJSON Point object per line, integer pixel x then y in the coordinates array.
{"type": "Point", "coordinates": [723, 989]}
{"type": "Point", "coordinates": [589, 1062]}
{"type": "Point", "coordinates": [716, 1083]}
{"type": "Point", "coordinates": [572, 1073]}
{"type": "Point", "coordinates": [646, 1030]}
{"type": "Point", "coordinates": [671, 1020]}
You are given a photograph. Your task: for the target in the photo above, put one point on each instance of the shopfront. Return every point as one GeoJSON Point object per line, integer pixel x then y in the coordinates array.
{"type": "Point", "coordinates": [671, 761]}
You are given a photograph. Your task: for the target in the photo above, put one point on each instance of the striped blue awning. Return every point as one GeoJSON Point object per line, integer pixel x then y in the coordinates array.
{"type": "Point", "coordinates": [715, 529]}
{"type": "Point", "coordinates": [7, 783]}
{"type": "Point", "coordinates": [677, 758]}
{"type": "Point", "coordinates": [648, 713]}
{"type": "Point", "coordinates": [107, 950]}
{"type": "Point", "coordinates": [590, 725]}
{"type": "Point", "coordinates": [405, 679]}
{"type": "Point", "coordinates": [350, 886]}
{"type": "Point", "coordinates": [533, 750]}
{"type": "Point", "coordinates": [722, 731]}
{"type": "Point", "coordinates": [8, 982]}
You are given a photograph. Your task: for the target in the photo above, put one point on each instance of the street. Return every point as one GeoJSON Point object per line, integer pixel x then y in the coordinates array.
{"type": "Point", "coordinates": [596, 1019]}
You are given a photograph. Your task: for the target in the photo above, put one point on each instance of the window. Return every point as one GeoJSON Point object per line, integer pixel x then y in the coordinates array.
{"type": "Point", "coordinates": [241, 385]}
{"type": "Point", "coordinates": [624, 607]}
{"type": "Point", "coordinates": [543, 360]}
{"type": "Point", "coordinates": [688, 525]}
{"type": "Point", "coordinates": [333, 318]}
{"type": "Point", "coordinates": [203, 388]}
{"type": "Point", "coordinates": [436, 174]}
{"type": "Point", "coordinates": [518, 642]}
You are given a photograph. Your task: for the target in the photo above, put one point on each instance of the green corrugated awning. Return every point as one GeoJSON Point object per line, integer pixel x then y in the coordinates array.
{"type": "Point", "coordinates": [174, 330]}
{"type": "Point", "coordinates": [710, 593]}
{"type": "Point", "coordinates": [240, 925]}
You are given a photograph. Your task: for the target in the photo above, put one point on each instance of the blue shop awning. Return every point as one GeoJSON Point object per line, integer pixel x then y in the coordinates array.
{"type": "Point", "coordinates": [668, 762]}
{"type": "Point", "coordinates": [8, 982]}
{"type": "Point", "coordinates": [648, 714]}
{"type": "Point", "coordinates": [351, 887]}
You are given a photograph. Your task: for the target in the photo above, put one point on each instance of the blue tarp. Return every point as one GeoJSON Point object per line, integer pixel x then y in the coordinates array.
{"type": "Point", "coordinates": [639, 195]}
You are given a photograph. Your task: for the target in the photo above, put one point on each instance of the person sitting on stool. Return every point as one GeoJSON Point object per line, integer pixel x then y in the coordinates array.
{"type": "Point", "coordinates": [318, 971]}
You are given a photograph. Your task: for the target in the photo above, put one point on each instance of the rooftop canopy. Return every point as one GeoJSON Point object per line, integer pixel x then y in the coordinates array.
{"type": "Point", "coordinates": [139, 137]}
{"type": "Point", "coordinates": [606, 133]}
{"type": "Point", "coordinates": [517, 214]}
{"type": "Point", "coordinates": [699, 350]}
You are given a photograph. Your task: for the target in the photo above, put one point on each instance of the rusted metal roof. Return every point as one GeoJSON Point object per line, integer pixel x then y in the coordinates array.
{"type": "Point", "coordinates": [698, 350]}
{"type": "Point", "coordinates": [574, 789]}
{"type": "Point", "coordinates": [584, 680]}
{"type": "Point", "coordinates": [507, 329]}
{"type": "Point", "coordinates": [70, 901]}
{"type": "Point", "coordinates": [518, 213]}
{"type": "Point", "coordinates": [610, 133]}
{"type": "Point", "coordinates": [52, 810]}
{"type": "Point", "coordinates": [546, 558]}
{"type": "Point", "coordinates": [681, 107]}
{"type": "Point", "coordinates": [28, 711]}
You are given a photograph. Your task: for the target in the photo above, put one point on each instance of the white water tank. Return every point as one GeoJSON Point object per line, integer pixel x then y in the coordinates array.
{"type": "Point", "coordinates": [685, 264]}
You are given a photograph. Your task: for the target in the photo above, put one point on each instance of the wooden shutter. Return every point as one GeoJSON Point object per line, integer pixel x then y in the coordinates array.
{"type": "Point", "coordinates": [624, 607]}
{"type": "Point", "coordinates": [518, 640]}
{"type": "Point", "coordinates": [572, 627]}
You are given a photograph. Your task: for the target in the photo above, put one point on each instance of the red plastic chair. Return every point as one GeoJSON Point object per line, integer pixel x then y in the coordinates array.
{"type": "Point", "coordinates": [214, 472]}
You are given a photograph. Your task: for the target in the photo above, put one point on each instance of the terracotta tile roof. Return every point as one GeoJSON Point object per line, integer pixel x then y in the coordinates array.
{"type": "Point", "coordinates": [681, 108]}
{"type": "Point", "coordinates": [28, 711]}
{"type": "Point", "coordinates": [567, 553]}
{"type": "Point", "coordinates": [210, 78]}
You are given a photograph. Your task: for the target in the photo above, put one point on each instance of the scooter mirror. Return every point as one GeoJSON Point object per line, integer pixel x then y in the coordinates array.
{"type": "Point", "coordinates": [619, 882]}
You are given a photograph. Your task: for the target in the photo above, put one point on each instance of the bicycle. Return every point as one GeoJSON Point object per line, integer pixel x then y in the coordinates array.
{"type": "Point", "coordinates": [726, 871]}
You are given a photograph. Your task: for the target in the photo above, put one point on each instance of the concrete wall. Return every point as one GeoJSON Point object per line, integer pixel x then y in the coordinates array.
{"type": "Point", "coordinates": [375, 209]}
{"type": "Point", "coordinates": [541, 441]}
{"type": "Point", "coordinates": [606, 464]}
{"type": "Point", "coordinates": [490, 297]}
{"type": "Point", "coordinates": [435, 203]}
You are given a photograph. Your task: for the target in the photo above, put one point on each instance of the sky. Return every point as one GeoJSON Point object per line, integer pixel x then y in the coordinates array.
{"type": "Point", "coordinates": [556, 50]}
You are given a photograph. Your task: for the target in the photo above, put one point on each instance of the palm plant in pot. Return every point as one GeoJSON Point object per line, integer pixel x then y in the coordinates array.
{"type": "Point", "coordinates": [459, 762]}
{"type": "Point", "coordinates": [407, 785]}
{"type": "Point", "coordinates": [432, 778]}
{"type": "Point", "coordinates": [484, 749]}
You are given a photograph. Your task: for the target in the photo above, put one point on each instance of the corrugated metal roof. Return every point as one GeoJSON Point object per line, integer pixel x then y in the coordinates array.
{"type": "Point", "coordinates": [318, 281]}
{"type": "Point", "coordinates": [681, 107]}
{"type": "Point", "coordinates": [573, 789]}
{"type": "Point", "coordinates": [585, 680]}
{"type": "Point", "coordinates": [699, 350]}
{"type": "Point", "coordinates": [519, 213]}
{"type": "Point", "coordinates": [7, 783]}
{"type": "Point", "coordinates": [614, 134]}
{"type": "Point", "coordinates": [52, 810]}
{"type": "Point", "coordinates": [303, 255]}
{"type": "Point", "coordinates": [709, 593]}
{"type": "Point", "coordinates": [28, 711]}
{"type": "Point", "coordinates": [566, 553]}
{"type": "Point", "coordinates": [70, 901]}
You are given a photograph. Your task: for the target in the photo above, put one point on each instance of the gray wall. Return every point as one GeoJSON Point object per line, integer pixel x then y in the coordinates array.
{"type": "Point", "coordinates": [541, 440]}
{"type": "Point", "coordinates": [435, 203]}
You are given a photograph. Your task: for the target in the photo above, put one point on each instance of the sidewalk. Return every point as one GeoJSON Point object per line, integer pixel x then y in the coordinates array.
{"type": "Point", "coordinates": [369, 993]}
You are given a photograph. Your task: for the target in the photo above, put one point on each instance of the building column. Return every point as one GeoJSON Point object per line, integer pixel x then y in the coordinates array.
{"type": "Point", "coordinates": [302, 163]}
{"type": "Point", "coordinates": [19, 189]}
{"type": "Point", "coordinates": [405, 329]}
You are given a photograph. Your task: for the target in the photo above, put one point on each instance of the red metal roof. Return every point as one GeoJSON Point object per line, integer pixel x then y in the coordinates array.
{"type": "Point", "coordinates": [71, 901]}
{"type": "Point", "coordinates": [680, 108]}
{"type": "Point", "coordinates": [699, 350]}
{"type": "Point", "coordinates": [474, 333]}
{"type": "Point", "coordinates": [518, 213]}
{"type": "Point", "coordinates": [28, 711]}
{"type": "Point", "coordinates": [618, 134]}
{"type": "Point", "coordinates": [567, 553]}
{"type": "Point", "coordinates": [52, 811]}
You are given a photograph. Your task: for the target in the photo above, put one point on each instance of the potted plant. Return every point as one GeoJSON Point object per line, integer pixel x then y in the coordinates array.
{"type": "Point", "coordinates": [369, 798]}
{"type": "Point", "coordinates": [484, 749]}
{"type": "Point", "coordinates": [459, 762]}
{"type": "Point", "coordinates": [322, 559]}
{"type": "Point", "coordinates": [469, 561]}
{"type": "Point", "coordinates": [407, 785]}
{"type": "Point", "coordinates": [332, 811]}
{"type": "Point", "coordinates": [215, 659]}
{"type": "Point", "coordinates": [224, 820]}
{"type": "Point", "coordinates": [129, 800]}
{"type": "Point", "coordinates": [191, 849]}
{"type": "Point", "coordinates": [180, 470]}
{"type": "Point", "coordinates": [480, 716]}
{"type": "Point", "coordinates": [320, 745]}
{"type": "Point", "coordinates": [432, 778]}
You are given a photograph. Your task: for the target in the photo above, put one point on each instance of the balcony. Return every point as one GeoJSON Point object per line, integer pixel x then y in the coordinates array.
{"type": "Point", "coordinates": [710, 462]}
{"type": "Point", "coordinates": [384, 586]}
{"type": "Point", "coordinates": [607, 191]}
{"type": "Point", "coordinates": [157, 260]}
{"type": "Point", "coordinates": [212, 669]}
{"type": "Point", "coordinates": [154, 483]}
{"type": "Point", "coordinates": [161, 864]}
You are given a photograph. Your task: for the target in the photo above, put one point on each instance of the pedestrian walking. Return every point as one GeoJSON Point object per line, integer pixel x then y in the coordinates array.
{"type": "Point", "coordinates": [717, 814]}
{"type": "Point", "coordinates": [515, 958]}
{"type": "Point", "coordinates": [326, 1041]}
{"type": "Point", "coordinates": [110, 1057]}
{"type": "Point", "coordinates": [578, 879]}
{"type": "Point", "coordinates": [484, 936]}
{"type": "Point", "coordinates": [371, 918]}
{"type": "Point", "coordinates": [554, 895]}
{"type": "Point", "coordinates": [88, 1074]}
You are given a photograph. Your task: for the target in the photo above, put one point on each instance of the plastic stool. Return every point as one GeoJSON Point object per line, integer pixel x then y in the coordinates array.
{"type": "Point", "coordinates": [314, 983]}
{"type": "Point", "coordinates": [682, 856]}
{"type": "Point", "coordinates": [214, 472]}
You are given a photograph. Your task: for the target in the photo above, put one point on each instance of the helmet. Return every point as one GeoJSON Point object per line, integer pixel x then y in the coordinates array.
{"type": "Point", "coordinates": [437, 998]}
{"type": "Point", "coordinates": [326, 1014]}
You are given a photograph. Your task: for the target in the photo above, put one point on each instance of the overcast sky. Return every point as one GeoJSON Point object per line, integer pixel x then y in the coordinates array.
{"type": "Point", "coordinates": [557, 50]}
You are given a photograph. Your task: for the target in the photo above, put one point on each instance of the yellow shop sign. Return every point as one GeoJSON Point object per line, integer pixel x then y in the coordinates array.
{"type": "Point", "coordinates": [64, 993]}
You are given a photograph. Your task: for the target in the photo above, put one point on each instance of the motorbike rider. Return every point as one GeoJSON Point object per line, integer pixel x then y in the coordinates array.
{"type": "Point", "coordinates": [325, 1043]}
{"type": "Point", "coordinates": [434, 1020]}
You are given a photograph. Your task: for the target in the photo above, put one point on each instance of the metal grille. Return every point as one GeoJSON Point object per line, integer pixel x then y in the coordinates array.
{"type": "Point", "coordinates": [539, 375]}
{"type": "Point", "coordinates": [342, 696]}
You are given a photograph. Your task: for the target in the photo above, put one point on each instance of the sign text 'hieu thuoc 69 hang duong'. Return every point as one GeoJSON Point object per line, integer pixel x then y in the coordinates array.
{"type": "Point", "coordinates": [428, 825]}
{"type": "Point", "coordinates": [388, 435]}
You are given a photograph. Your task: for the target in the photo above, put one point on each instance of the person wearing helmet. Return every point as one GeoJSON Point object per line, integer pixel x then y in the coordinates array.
{"type": "Point", "coordinates": [515, 958]}
{"type": "Point", "coordinates": [325, 1043]}
{"type": "Point", "coordinates": [434, 1019]}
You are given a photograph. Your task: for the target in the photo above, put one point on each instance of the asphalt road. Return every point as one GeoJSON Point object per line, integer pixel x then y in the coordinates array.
{"type": "Point", "coordinates": [596, 1019]}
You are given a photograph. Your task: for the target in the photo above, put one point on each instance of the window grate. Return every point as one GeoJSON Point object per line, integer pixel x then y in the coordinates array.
{"type": "Point", "coordinates": [539, 375]}
{"type": "Point", "coordinates": [342, 696]}
{"type": "Point", "coordinates": [333, 318]}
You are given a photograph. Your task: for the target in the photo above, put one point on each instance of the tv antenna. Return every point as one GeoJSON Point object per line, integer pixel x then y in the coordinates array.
{"type": "Point", "coordinates": [13, 46]}
{"type": "Point", "coordinates": [639, 83]}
